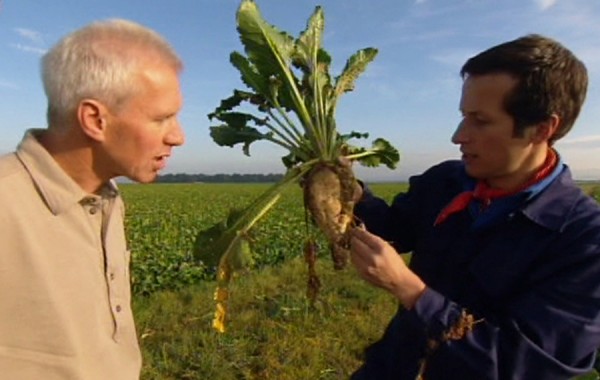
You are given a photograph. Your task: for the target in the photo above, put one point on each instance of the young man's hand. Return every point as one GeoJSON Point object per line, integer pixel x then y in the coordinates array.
{"type": "Point", "coordinates": [378, 263]}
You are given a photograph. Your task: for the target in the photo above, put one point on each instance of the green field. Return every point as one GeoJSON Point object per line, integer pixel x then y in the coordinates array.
{"type": "Point", "coordinates": [273, 332]}
{"type": "Point", "coordinates": [163, 220]}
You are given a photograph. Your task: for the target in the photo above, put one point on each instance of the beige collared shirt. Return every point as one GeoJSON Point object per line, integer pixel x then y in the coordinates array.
{"type": "Point", "coordinates": [65, 303]}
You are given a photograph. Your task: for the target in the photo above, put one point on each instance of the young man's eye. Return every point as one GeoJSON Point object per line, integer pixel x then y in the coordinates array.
{"type": "Point", "coordinates": [480, 122]}
{"type": "Point", "coordinates": [474, 121]}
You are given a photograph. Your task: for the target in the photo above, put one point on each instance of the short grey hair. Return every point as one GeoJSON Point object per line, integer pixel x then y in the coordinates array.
{"type": "Point", "coordinates": [98, 61]}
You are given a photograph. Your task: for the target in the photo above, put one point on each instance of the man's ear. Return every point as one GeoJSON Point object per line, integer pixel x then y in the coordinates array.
{"type": "Point", "coordinates": [92, 116]}
{"type": "Point", "coordinates": [546, 129]}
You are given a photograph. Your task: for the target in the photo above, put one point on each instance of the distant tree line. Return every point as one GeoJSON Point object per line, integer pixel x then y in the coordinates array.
{"type": "Point", "coordinates": [219, 178]}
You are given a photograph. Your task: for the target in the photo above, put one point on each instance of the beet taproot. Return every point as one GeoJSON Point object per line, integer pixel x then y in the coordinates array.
{"type": "Point", "coordinates": [328, 197]}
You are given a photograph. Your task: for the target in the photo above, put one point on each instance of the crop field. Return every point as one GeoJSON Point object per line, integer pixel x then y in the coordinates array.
{"type": "Point", "coordinates": [592, 188]}
{"type": "Point", "coordinates": [273, 333]}
{"type": "Point", "coordinates": [162, 221]}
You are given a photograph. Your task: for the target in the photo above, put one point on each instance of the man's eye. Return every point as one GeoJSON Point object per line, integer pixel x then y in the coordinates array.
{"type": "Point", "coordinates": [164, 119]}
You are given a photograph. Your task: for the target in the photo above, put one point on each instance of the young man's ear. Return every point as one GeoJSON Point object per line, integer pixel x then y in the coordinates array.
{"type": "Point", "coordinates": [92, 115]}
{"type": "Point", "coordinates": [546, 129]}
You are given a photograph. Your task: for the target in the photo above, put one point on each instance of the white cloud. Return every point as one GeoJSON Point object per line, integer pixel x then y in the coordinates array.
{"type": "Point", "coordinates": [29, 49]}
{"type": "Point", "coordinates": [4, 84]}
{"type": "Point", "coordinates": [454, 58]}
{"type": "Point", "coordinates": [581, 146]}
{"type": "Point", "coordinates": [545, 4]}
{"type": "Point", "coordinates": [30, 34]}
{"type": "Point", "coordinates": [34, 41]}
{"type": "Point", "coordinates": [583, 139]}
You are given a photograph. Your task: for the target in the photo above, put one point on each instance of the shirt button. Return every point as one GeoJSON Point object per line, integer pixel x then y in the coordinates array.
{"type": "Point", "coordinates": [118, 308]}
{"type": "Point", "coordinates": [111, 276]}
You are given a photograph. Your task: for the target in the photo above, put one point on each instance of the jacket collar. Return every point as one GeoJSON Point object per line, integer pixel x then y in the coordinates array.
{"type": "Point", "coordinates": [552, 207]}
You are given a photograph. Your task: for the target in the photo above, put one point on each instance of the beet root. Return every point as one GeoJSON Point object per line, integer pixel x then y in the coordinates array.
{"type": "Point", "coordinates": [328, 196]}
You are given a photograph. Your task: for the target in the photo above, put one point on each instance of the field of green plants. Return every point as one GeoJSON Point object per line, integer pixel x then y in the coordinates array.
{"type": "Point", "coordinates": [163, 220]}
{"type": "Point", "coordinates": [273, 332]}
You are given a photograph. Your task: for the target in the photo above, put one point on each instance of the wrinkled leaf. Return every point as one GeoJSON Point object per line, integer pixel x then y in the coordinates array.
{"type": "Point", "coordinates": [266, 47]}
{"type": "Point", "coordinates": [310, 40]}
{"type": "Point", "coordinates": [210, 245]}
{"type": "Point", "coordinates": [250, 75]}
{"type": "Point", "coordinates": [205, 250]}
{"type": "Point", "coordinates": [354, 135]}
{"type": "Point", "coordinates": [355, 66]}
{"type": "Point", "coordinates": [235, 100]}
{"type": "Point", "coordinates": [238, 119]}
{"type": "Point", "coordinates": [382, 152]}
{"type": "Point", "coordinates": [225, 135]}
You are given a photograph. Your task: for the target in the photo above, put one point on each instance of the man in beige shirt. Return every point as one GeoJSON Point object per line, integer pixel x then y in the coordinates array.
{"type": "Point", "coordinates": [113, 99]}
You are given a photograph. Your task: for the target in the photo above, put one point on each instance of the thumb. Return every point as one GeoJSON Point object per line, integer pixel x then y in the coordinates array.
{"type": "Point", "coordinates": [371, 240]}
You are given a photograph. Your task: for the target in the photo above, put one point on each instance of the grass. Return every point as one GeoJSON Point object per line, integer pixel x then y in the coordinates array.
{"type": "Point", "coordinates": [273, 332]}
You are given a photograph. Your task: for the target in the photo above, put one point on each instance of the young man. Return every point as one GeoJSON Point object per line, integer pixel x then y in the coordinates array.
{"type": "Point", "coordinates": [113, 98]}
{"type": "Point", "coordinates": [504, 279]}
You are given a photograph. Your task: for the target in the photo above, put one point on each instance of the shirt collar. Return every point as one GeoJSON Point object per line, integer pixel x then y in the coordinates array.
{"type": "Point", "coordinates": [57, 188]}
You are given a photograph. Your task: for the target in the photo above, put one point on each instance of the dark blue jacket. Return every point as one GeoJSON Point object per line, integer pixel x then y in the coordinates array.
{"type": "Point", "coordinates": [531, 278]}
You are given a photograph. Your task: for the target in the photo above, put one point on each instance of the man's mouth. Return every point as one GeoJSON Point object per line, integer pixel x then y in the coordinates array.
{"type": "Point", "coordinates": [162, 161]}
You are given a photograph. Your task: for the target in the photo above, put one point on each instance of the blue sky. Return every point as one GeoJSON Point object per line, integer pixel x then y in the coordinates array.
{"type": "Point", "coordinates": [408, 95]}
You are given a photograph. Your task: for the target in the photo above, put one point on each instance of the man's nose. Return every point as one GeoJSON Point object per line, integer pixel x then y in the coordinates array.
{"type": "Point", "coordinates": [459, 135]}
{"type": "Point", "coordinates": [176, 136]}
